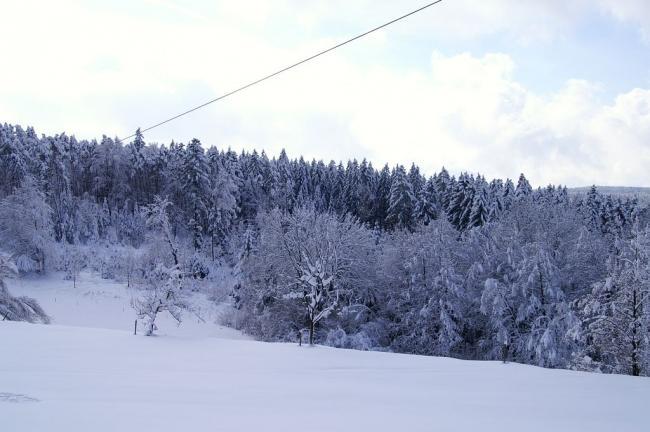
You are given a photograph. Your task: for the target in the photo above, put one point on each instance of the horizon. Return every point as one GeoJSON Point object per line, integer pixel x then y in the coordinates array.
{"type": "Point", "coordinates": [377, 167]}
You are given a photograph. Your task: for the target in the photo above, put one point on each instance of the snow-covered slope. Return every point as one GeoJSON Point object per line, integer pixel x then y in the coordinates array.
{"type": "Point", "coordinates": [77, 378]}
{"type": "Point", "coordinates": [101, 303]}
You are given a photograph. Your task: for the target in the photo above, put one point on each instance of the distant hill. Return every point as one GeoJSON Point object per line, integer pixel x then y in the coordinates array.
{"type": "Point", "coordinates": [643, 193]}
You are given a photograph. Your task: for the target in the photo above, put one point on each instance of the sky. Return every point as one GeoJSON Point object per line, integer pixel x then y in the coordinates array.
{"type": "Point", "coordinates": [556, 89]}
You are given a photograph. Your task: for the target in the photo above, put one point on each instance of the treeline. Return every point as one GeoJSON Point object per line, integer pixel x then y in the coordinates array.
{"type": "Point", "coordinates": [357, 257]}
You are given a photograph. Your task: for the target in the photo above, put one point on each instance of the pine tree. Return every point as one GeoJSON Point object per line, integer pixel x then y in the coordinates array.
{"type": "Point", "coordinates": [480, 209]}
{"type": "Point", "coordinates": [508, 195]}
{"type": "Point", "coordinates": [283, 189]}
{"type": "Point", "coordinates": [138, 167]}
{"type": "Point", "coordinates": [381, 200]}
{"type": "Point", "coordinates": [426, 209]}
{"type": "Point", "coordinates": [461, 201]}
{"type": "Point", "coordinates": [444, 187]}
{"type": "Point", "coordinates": [222, 209]}
{"type": "Point", "coordinates": [366, 191]}
{"type": "Point", "coordinates": [13, 164]}
{"type": "Point", "coordinates": [523, 189]}
{"type": "Point", "coordinates": [416, 179]}
{"type": "Point", "coordinates": [196, 187]}
{"type": "Point", "coordinates": [400, 210]}
{"type": "Point", "coordinates": [591, 208]}
{"type": "Point", "coordinates": [495, 199]}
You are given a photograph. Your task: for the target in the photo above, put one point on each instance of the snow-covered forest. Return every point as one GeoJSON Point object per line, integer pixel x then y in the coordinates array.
{"type": "Point", "coordinates": [351, 255]}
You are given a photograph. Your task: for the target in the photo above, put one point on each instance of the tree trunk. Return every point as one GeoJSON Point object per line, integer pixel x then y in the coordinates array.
{"type": "Point", "coordinates": [311, 332]}
{"type": "Point", "coordinates": [636, 369]}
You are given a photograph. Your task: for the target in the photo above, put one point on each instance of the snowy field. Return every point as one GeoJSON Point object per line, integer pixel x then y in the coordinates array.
{"type": "Point", "coordinates": [100, 303]}
{"type": "Point", "coordinates": [87, 372]}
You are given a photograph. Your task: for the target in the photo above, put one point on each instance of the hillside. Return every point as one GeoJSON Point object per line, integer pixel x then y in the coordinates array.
{"type": "Point", "coordinates": [87, 375]}
{"type": "Point", "coordinates": [386, 259]}
{"type": "Point", "coordinates": [642, 193]}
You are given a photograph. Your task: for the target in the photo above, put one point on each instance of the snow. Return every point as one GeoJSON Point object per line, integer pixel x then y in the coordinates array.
{"type": "Point", "coordinates": [88, 372]}
{"type": "Point", "coordinates": [101, 303]}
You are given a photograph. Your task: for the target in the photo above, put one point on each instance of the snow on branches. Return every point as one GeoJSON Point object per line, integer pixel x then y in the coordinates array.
{"type": "Point", "coordinates": [17, 308]}
{"type": "Point", "coordinates": [165, 295]}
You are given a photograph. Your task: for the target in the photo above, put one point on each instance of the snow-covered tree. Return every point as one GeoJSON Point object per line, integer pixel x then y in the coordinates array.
{"type": "Point", "coordinates": [452, 285]}
{"type": "Point", "coordinates": [222, 209]}
{"type": "Point", "coordinates": [74, 261]}
{"type": "Point", "coordinates": [619, 308]}
{"type": "Point", "coordinates": [480, 212]}
{"type": "Point", "coordinates": [26, 226]}
{"type": "Point", "coordinates": [523, 189]}
{"type": "Point", "coordinates": [591, 207]}
{"type": "Point", "coordinates": [318, 293]}
{"type": "Point", "coordinates": [444, 187]}
{"type": "Point", "coordinates": [164, 295]}
{"type": "Point", "coordinates": [158, 219]}
{"type": "Point", "coordinates": [543, 310]}
{"type": "Point", "coordinates": [461, 202]}
{"type": "Point", "coordinates": [424, 291]}
{"type": "Point", "coordinates": [304, 264]}
{"type": "Point", "coordinates": [527, 308]}
{"type": "Point", "coordinates": [196, 187]}
{"type": "Point", "coordinates": [426, 208]}
{"type": "Point", "coordinates": [401, 204]}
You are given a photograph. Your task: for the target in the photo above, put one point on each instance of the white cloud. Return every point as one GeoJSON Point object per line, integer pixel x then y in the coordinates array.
{"type": "Point", "coordinates": [467, 113]}
{"type": "Point", "coordinates": [636, 12]}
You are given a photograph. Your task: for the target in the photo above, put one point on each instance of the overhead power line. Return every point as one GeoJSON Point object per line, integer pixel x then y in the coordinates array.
{"type": "Point", "coordinates": [285, 69]}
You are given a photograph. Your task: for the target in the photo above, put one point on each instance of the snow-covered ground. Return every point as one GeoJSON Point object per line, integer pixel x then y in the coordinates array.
{"type": "Point", "coordinates": [87, 372]}
{"type": "Point", "coordinates": [101, 303]}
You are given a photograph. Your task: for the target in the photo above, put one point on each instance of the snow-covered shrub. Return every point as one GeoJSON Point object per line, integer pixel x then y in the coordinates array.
{"type": "Point", "coordinates": [360, 341]}
{"type": "Point", "coordinates": [17, 308]}
{"type": "Point", "coordinates": [74, 260]}
{"type": "Point", "coordinates": [153, 253]}
{"type": "Point", "coordinates": [110, 263]}
{"type": "Point", "coordinates": [198, 266]}
{"type": "Point", "coordinates": [130, 265]}
{"type": "Point", "coordinates": [26, 264]}
{"type": "Point", "coordinates": [338, 338]}
{"type": "Point", "coordinates": [371, 335]}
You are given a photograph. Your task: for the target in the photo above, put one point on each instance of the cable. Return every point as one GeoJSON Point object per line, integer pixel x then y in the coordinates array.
{"type": "Point", "coordinates": [286, 68]}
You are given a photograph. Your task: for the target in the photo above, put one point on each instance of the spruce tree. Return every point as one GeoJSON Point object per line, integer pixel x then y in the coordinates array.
{"type": "Point", "coordinates": [480, 209]}
{"type": "Point", "coordinates": [523, 189]}
{"type": "Point", "coordinates": [196, 187]}
{"type": "Point", "coordinates": [401, 204]}
{"type": "Point", "coordinates": [426, 209]}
